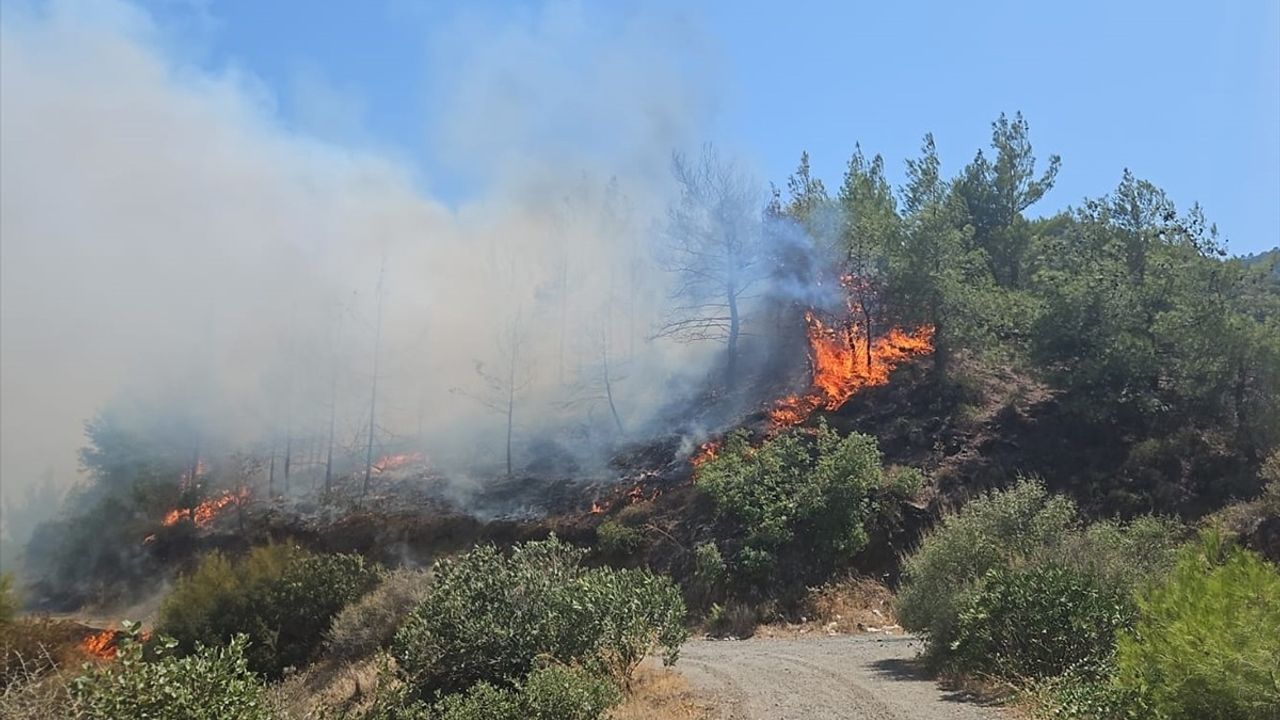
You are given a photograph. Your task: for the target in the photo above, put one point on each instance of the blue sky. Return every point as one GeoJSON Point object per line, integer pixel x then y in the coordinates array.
{"type": "Point", "coordinates": [1186, 94]}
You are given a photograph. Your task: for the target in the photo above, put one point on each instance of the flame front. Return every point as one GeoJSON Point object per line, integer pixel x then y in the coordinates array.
{"type": "Point", "coordinates": [392, 462]}
{"type": "Point", "coordinates": [101, 645]}
{"type": "Point", "coordinates": [844, 363]}
{"type": "Point", "coordinates": [205, 512]}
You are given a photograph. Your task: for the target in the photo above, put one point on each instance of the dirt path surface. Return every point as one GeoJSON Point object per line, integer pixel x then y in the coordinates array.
{"type": "Point", "coordinates": [867, 677]}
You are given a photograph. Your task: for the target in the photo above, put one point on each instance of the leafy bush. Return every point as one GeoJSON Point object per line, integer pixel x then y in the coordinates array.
{"type": "Point", "coordinates": [787, 490]}
{"type": "Point", "coordinates": [618, 540]}
{"type": "Point", "coordinates": [709, 571]}
{"type": "Point", "coordinates": [281, 597]}
{"type": "Point", "coordinates": [904, 482]}
{"type": "Point", "coordinates": [1205, 645]}
{"type": "Point", "coordinates": [369, 624]}
{"type": "Point", "coordinates": [488, 616]}
{"type": "Point", "coordinates": [211, 684]}
{"type": "Point", "coordinates": [1011, 538]}
{"type": "Point", "coordinates": [1087, 695]}
{"type": "Point", "coordinates": [1038, 621]}
{"type": "Point", "coordinates": [1128, 556]}
{"type": "Point", "coordinates": [551, 693]}
{"type": "Point", "coordinates": [988, 533]}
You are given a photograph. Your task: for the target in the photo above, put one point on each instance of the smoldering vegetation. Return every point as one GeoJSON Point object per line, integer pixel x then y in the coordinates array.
{"type": "Point", "coordinates": [199, 302]}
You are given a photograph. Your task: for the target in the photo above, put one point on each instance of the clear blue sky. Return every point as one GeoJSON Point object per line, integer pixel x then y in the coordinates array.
{"type": "Point", "coordinates": [1186, 94]}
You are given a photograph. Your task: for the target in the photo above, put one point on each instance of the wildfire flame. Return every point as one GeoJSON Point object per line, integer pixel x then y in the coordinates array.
{"type": "Point", "coordinates": [392, 462]}
{"type": "Point", "coordinates": [638, 493]}
{"type": "Point", "coordinates": [843, 364]}
{"type": "Point", "coordinates": [205, 512]}
{"type": "Point", "coordinates": [706, 452]}
{"type": "Point", "coordinates": [101, 645]}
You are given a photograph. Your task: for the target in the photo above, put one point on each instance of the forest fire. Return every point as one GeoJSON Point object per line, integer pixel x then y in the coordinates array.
{"type": "Point", "coordinates": [101, 645]}
{"type": "Point", "coordinates": [205, 512]}
{"type": "Point", "coordinates": [394, 462]}
{"type": "Point", "coordinates": [843, 364]}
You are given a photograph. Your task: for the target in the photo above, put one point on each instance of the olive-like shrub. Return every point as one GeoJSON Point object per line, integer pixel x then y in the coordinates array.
{"type": "Point", "coordinates": [488, 617]}
{"type": "Point", "coordinates": [281, 597]}
{"type": "Point", "coordinates": [213, 683]}
{"type": "Point", "coordinates": [791, 491]}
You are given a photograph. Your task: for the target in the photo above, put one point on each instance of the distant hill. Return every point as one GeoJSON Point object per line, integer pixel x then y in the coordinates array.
{"type": "Point", "coordinates": [1270, 258]}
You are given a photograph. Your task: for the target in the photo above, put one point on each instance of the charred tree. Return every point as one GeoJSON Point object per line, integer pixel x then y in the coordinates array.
{"type": "Point", "coordinates": [501, 390]}
{"type": "Point", "coordinates": [715, 251]}
{"type": "Point", "coordinates": [373, 384]}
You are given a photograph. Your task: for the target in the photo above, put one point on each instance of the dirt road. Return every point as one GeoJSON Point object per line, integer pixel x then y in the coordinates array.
{"type": "Point", "coordinates": [862, 677]}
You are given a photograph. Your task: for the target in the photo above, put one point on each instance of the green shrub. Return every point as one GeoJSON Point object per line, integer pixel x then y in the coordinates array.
{"type": "Point", "coordinates": [904, 482]}
{"type": "Point", "coordinates": [1206, 644]}
{"type": "Point", "coordinates": [1128, 556]}
{"type": "Point", "coordinates": [990, 532]}
{"type": "Point", "coordinates": [210, 684]}
{"type": "Point", "coordinates": [618, 540]}
{"type": "Point", "coordinates": [281, 597]}
{"type": "Point", "coordinates": [1088, 695]}
{"type": "Point", "coordinates": [817, 495]}
{"type": "Point", "coordinates": [709, 571]}
{"type": "Point", "coordinates": [488, 616]}
{"type": "Point", "coordinates": [551, 693]}
{"type": "Point", "coordinates": [1038, 621]}
{"type": "Point", "coordinates": [369, 624]}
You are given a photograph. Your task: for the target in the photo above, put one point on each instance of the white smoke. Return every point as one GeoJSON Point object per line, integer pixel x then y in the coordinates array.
{"type": "Point", "coordinates": [163, 235]}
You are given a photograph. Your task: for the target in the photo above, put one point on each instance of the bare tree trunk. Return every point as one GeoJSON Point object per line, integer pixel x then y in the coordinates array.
{"type": "Point", "coordinates": [731, 362]}
{"type": "Point", "coordinates": [511, 408]}
{"type": "Point", "coordinates": [608, 391]}
{"type": "Point", "coordinates": [288, 460]}
{"type": "Point", "coordinates": [373, 385]}
{"type": "Point", "coordinates": [271, 474]}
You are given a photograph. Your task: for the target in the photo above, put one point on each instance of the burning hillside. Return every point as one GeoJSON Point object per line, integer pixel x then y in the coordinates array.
{"type": "Point", "coordinates": [844, 361]}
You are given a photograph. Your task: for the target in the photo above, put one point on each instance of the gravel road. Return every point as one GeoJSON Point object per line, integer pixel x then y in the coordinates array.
{"type": "Point", "coordinates": [863, 677]}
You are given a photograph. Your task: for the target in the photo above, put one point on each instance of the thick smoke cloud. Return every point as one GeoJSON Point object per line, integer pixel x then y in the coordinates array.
{"type": "Point", "coordinates": [168, 243]}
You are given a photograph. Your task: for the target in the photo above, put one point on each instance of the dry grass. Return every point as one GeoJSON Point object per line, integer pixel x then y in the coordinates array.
{"type": "Point", "coordinates": [853, 605]}
{"type": "Point", "coordinates": [659, 693]}
{"type": "Point", "coordinates": [329, 689]}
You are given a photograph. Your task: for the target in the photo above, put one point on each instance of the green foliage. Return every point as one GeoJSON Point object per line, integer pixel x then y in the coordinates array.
{"type": "Point", "coordinates": [990, 532]}
{"type": "Point", "coordinates": [904, 483]}
{"type": "Point", "coordinates": [1038, 621]}
{"type": "Point", "coordinates": [788, 491]}
{"type": "Point", "coordinates": [550, 693]}
{"type": "Point", "coordinates": [618, 540]}
{"type": "Point", "coordinates": [1205, 645]}
{"type": "Point", "coordinates": [8, 599]}
{"type": "Point", "coordinates": [1091, 694]}
{"type": "Point", "coordinates": [709, 570]}
{"type": "Point", "coordinates": [281, 597]}
{"type": "Point", "coordinates": [210, 684]}
{"type": "Point", "coordinates": [489, 616]}
{"type": "Point", "coordinates": [1014, 555]}
{"type": "Point", "coordinates": [369, 624]}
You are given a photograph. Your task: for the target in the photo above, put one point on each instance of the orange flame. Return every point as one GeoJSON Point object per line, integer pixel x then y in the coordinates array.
{"type": "Point", "coordinates": [706, 452]}
{"type": "Point", "coordinates": [842, 366]}
{"type": "Point", "coordinates": [101, 645]}
{"type": "Point", "coordinates": [205, 512]}
{"type": "Point", "coordinates": [392, 462]}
